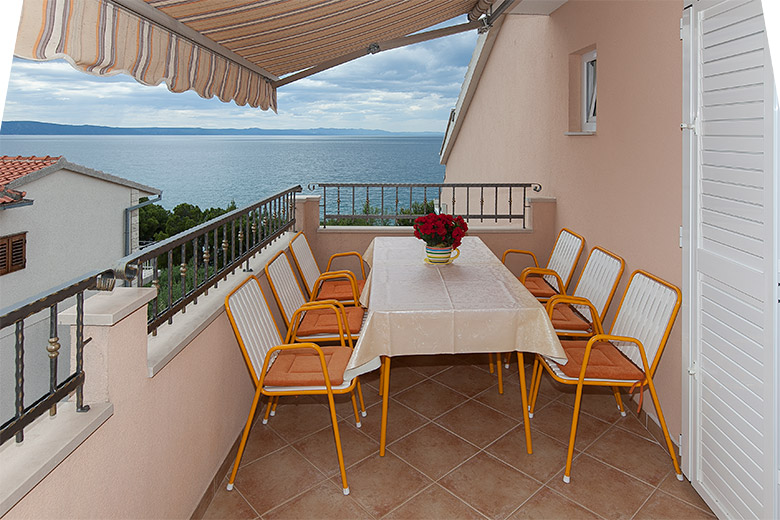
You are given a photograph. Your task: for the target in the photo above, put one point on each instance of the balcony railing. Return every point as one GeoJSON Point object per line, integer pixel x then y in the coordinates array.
{"type": "Point", "coordinates": [14, 316]}
{"type": "Point", "coordinates": [187, 265]}
{"type": "Point", "coordinates": [400, 204]}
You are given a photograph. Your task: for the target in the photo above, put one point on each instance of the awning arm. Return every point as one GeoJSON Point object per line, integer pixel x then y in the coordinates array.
{"type": "Point", "coordinates": [383, 46]}
{"type": "Point", "coordinates": [147, 12]}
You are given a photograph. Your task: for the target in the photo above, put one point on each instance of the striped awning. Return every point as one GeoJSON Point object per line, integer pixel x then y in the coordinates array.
{"type": "Point", "coordinates": [236, 50]}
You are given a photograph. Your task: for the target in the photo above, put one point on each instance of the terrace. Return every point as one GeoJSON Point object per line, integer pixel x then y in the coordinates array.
{"type": "Point", "coordinates": [166, 409]}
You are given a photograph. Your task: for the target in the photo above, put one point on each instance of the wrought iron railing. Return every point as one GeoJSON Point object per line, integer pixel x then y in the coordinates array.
{"type": "Point", "coordinates": [400, 204]}
{"type": "Point", "coordinates": [14, 316]}
{"type": "Point", "coordinates": [187, 265]}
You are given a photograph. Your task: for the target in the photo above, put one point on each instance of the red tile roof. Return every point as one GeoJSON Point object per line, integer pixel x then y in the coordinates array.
{"type": "Point", "coordinates": [12, 168]}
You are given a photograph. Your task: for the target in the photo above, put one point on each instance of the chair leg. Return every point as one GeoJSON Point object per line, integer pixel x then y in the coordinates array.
{"type": "Point", "coordinates": [536, 372]}
{"type": "Point", "coordinates": [360, 396]}
{"type": "Point", "coordinates": [245, 436]}
{"type": "Point", "coordinates": [276, 403]}
{"type": "Point", "coordinates": [507, 358]}
{"type": "Point", "coordinates": [268, 408]}
{"type": "Point", "coordinates": [616, 391]}
{"type": "Point", "coordinates": [334, 420]}
{"type": "Point", "coordinates": [381, 378]}
{"type": "Point", "coordinates": [661, 420]}
{"type": "Point", "coordinates": [573, 434]}
{"type": "Point", "coordinates": [354, 408]}
{"type": "Point", "coordinates": [490, 362]}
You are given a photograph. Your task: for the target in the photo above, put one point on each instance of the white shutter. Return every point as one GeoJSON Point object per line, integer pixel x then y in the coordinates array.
{"type": "Point", "coordinates": [731, 255]}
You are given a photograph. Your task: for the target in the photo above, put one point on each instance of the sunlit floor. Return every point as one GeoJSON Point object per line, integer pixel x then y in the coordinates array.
{"type": "Point", "coordinates": [456, 449]}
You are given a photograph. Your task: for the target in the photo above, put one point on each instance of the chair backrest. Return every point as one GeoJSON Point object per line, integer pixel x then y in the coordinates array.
{"type": "Point", "coordinates": [564, 256]}
{"type": "Point", "coordinates": [255, 327]}
{"type": "Point", "coordinates": [287, 292]}
{"type": "Point", "coordinates": [599, 280]}
{"type": "Point", "coordinates": [304, 260]}
{"type": "Point", "coordinates": [647, 313]}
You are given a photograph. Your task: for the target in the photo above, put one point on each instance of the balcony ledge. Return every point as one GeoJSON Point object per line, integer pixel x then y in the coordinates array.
{"type": "Point", "coordinates": [45, 446]}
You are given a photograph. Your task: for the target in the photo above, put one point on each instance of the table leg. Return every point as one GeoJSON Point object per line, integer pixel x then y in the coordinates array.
{"type": "Point", "coordinates": [385, 394]}
{"type": "Point", "coordinates": [500, 370]}
{"type": "Point", "coordinates": [524, 397]}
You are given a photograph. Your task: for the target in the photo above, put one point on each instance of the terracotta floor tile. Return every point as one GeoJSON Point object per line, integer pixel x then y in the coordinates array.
{"type": "Point", "coordinates": [324, 502]}
{"type": "Point", "coordinates": [276, 478]}
{"type": "Point", "coordinates": [262, 441]}
{"type": "Point", "coordinates": [343, 402]}
{"type": "Point", "coordinates": [510, 402]}
{"type": "Point", "coordinates": [594, 485]}
{"type": "Point", "coordinates": [400, 421]}
{"type": "Point", "coordinates": [683, 490]}
{"type": "Point", "coordinates": [555, 420]}
{"type": "Point", "coordinates": [425, 365]}
{"type": "Point", "coordinates": [490, 486]}
{"type": "Point", "coordinates": [548, 458]}
{"type": "Point", "coordinates": [294, 421]}
{"type": "Point", "coordinates": [320, 448]}
{"type": "Point", "coordinates": [549, 505]}
{"type": "Point", "coordinates": [632, 424]}
{"type": "Point", "coordinates": [477, 423]}
{"type": "Point", "coordinates": [434, 503]}
{"type": "Point", "coordinates": [635, 455]}
{"type": "Point", "coordinates": [662, 506]}
{"type": "Point", "coordinates": [430, 398]}
{"type": "Point", "coordinates": [465, 379]}
{"type": "Point", "coordinates": [598, 402]}
{"type": "Point", "coordinates": [229, 504]}
{"type": "Point", "coordinates": [380, 484]}
{"type": "Point", "coordinates": [433, 450]}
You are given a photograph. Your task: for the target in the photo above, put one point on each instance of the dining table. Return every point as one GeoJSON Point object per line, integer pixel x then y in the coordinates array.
{"type": "Point", "coordinates": [472, 305]}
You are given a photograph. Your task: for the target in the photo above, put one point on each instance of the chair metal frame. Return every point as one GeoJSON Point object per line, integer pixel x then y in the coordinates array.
{"type": "Point", "coordinates": [310, 272]}
{"type": "Point", "coordinates": [561, 264]}
{"type": "Point", "coordinates": [251, 320]}
{"type": "Point", "coordinates": [291, 299]}
{"type": "Point", "coordinates": [646, 294]}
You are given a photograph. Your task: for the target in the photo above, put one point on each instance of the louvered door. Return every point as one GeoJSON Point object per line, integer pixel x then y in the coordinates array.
{"type": "Point", "coordinates": [730, 234]}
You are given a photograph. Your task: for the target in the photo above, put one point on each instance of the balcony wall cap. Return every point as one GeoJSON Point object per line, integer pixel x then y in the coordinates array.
{"type": "Point", "coordinates": [109, 308]}
{"type": "Point", "coordinates": [47, 442]}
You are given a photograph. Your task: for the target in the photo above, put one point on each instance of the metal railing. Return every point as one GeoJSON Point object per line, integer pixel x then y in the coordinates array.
{"type": "Point", "coordinates": [14, 316]}
{"type": "Point", "coordinates": [400, 204]}
{"type": "Point", "coordinates": [187, 265]}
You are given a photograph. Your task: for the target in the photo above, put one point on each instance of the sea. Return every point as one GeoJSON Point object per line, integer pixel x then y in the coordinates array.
{"type": "Point", "coordinates": [213, 171]}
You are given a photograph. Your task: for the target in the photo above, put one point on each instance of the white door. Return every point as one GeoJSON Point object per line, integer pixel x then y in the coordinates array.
{"type": "Point", "coordinates": [730, 445]}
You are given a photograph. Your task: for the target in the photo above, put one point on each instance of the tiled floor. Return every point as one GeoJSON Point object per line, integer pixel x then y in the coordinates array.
{"type": "Point", "coordinates": [456, 449]}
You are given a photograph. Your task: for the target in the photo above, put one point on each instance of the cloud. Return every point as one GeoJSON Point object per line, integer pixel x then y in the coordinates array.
{"type": "Point", "coordinates": [405, 89]}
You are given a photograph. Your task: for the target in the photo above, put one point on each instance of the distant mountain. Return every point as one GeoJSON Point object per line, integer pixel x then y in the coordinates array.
{"type": "Point", "coordinates": [39, 128]}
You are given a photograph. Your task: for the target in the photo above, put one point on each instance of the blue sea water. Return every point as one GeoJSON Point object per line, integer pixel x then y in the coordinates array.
{"type": "Point", "coordinates": [212, 171]}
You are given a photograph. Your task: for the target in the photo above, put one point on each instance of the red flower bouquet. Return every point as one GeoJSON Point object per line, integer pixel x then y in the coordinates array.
{"type": "Point", "coordinates": [440, 230]}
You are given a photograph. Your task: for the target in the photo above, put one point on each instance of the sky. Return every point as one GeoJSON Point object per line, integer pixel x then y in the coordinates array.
{"type": "Point", "coordinates": [410, 89]}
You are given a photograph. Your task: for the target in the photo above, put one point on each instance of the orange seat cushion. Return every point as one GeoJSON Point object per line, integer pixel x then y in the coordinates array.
{"type": "Point", "coordinates": [539, 287]}
{"type": "Point", "coordinates": [566, 317]}
{"type": "Point", "coordinates": [605, 362]}
{"type": "Point", "coordinates": [339, 290]}
{"type": "Point", "coordinates": [302, 367]}
{"type": "Point", "coordinates": [323, 321]}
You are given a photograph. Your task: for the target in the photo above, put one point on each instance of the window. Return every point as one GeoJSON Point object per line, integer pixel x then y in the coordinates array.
{"type": "Point", "coordinates": [589, 91]}
{"type": "Point", "coordinates": [13, 253]}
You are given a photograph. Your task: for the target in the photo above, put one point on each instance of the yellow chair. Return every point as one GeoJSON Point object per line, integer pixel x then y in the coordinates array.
{"type": "Point", "coordinates": [279, 367]}
{"type": "Point", "coordinates": [331, 285]}
{"type": "Point", "coordinates": [639, 333]}
{"type": "Point", "coordinates": [553, 279]}
{"type": "Point", "coordinates": [315, 325]}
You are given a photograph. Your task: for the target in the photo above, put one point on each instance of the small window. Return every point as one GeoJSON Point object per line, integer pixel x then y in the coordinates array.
{"type": "Point", "coordinates": [13, 253]}
{"type": "Point", "coordinates": [589, 91]}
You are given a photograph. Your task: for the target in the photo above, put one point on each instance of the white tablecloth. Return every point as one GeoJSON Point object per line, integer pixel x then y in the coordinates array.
{"type": "Point", "coordinates": [473, 305]}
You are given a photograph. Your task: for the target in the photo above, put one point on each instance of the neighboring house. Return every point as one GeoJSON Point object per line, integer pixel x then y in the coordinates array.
{"type": "Point", "coordinates": [589, 102]}
{"type": "Point", "coordinates": [58, 221]}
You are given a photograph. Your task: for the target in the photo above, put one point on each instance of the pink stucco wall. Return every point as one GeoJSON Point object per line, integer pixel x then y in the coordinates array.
{"type": "Point", "coordinates": [621, 188]}
{"type": "Point", "coordinates": [157, 455]}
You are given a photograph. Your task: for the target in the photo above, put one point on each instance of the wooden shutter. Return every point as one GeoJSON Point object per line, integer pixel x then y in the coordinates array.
{"type": "Point", "coordinates": [13, 253]}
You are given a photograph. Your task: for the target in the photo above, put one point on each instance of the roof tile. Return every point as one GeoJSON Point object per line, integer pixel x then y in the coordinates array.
{"type": "Point", "coordinates": [12, 168]}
